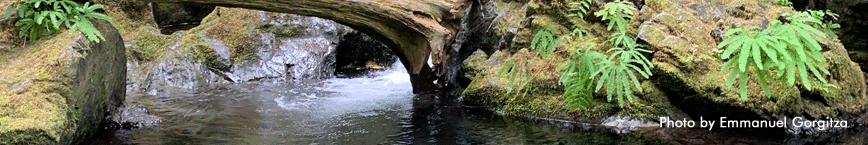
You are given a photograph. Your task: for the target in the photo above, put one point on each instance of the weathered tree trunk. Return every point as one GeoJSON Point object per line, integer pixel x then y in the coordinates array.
{"type": "Point", "coordinates": [413, 28]}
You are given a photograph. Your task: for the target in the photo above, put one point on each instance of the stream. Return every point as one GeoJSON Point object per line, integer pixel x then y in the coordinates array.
{"type": "Point", "coordinates": [380, 109]}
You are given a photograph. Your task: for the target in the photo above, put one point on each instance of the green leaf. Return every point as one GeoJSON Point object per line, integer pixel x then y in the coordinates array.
{"type": "Point", "coordinates": [804, 74]}
{"type": "Point", "coordinates": [742, 85]}
{"type": "Point", "coordinates": [815, 72]}
{"type": "Point", "coordinates": [731, 49]}
{"type": "Point", "coordinates": [762, 82]}
{"type": "Point", "coordinates": [731, 78]}
{"type": "Point", "coordinates": [742, 58]}
{"type": "Point", "coordinates": [9, 10]}
{"type": "Point", "coordinates": [39, 18]}
{"type": "Point", "coordinates": [757, 56]}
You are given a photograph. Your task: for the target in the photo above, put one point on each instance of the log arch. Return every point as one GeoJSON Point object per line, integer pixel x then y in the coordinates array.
{"type": "Point", "coordinates": [414, 29]}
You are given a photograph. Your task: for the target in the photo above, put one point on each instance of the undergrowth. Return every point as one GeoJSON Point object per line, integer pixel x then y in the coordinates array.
{"type": "Point", "coordinates": [616, 72]}
{"type": "Point", "coordinates": [44, 17]}
{"type": "Point", "coordinates": [518, 69]}
{"type": "Point", "coordinates": [784, 3]}
{"type": "Point", "coordinates": [784, 48]}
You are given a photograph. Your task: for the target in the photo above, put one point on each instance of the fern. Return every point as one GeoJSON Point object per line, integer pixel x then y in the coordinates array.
{"type": "Point", "coordinates": [543, 42]}
{"type": "Point", "coordinates": [577, 76]}
{"type": "Point", "coordinates": [518, 73]}
{"type": "Point", "coordinates": [753, 47]}
{"type": "Point", "coordinates": [618, 14]}
{"type": "Point", "coordinates": [579, 31]}
{"type": "Point", "coordinates": [618, 78]}
{"type": "Point", "coordinates": [803, 48]}
{"type": "Point", "coordinates": [518, 68]}
{"type": "Point", "coordinates": [44, 17]}
{"type": "Point", "coordinates": [616, 72]}
{"type": "Point", "coordinates": [784, 3]}
{"type": "Point", "coordinates": [828, 25]}
{"type": "Point", "coordinates": [787, 48]}
{"type": "Point", "coordinates": [582, 8]}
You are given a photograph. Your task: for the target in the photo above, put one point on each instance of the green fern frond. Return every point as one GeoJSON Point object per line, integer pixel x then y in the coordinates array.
{"type": "Point", "coordinates": [618, 14]}
{"type": "Point", "coordinates": [577, 76]}
{"type": "Point", "coordinates": [579, 31]}
{"type": "Point", "coordinates": [618, 78]}
{"type": "Point", "coordinates": [615, 72]}
{"type": "Point", "coordinates": [44, 17]}
{"type": "Point", "coordinates": [543, 42]}
{"type": "Point", "coordinates": [829, 23]}
{"type": "Point", "coordinates": [789, 48]}
{"type": "Point", "coordinates": [784, 3]}
{"type": "Point", "coordinates": [582, 8]}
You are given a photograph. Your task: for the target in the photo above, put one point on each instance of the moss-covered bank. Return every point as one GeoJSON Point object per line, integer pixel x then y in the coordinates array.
{"type": "Point", "coordinates": [682, 35]}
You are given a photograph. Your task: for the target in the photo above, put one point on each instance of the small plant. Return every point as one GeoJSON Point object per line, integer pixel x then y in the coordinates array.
{"type": "Point", "coordinates": [518, 72]}
{"type": "Point", "coordinates": [784, 3]}
{"type": "Point", "coordinates": [692, 58]}
{"type": "Point", "coordinates": [784, 47]}
{"type": "Point", "coordinates": [44, 17]}
{"type": "Point", "coordinates": [618, 14]}
{"type": "Point", "coordinates": [582, 8]}
{"type": "Point", "coordinates": [543, 42]}
{"type": "Point", "coordinates": [518, 68]}
{"type": "Point", "coordinates": [617, 71]}
{"type": "Point", "coordinates": [579, 31]}
{"type": "Point", "coordinates": [577, 78]}
{"type": "Point", "coordinates": [829, 24]}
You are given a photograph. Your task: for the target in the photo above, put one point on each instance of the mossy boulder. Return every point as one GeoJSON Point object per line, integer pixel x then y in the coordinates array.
{"type": "Point", "coordinates": [545, 99]}
{"type": "Point", "coordinates": [684, 35]}
{"type": "Point", "coordinates": [58, 89]}
{"type": "Point", "coordinates": [687, 81]}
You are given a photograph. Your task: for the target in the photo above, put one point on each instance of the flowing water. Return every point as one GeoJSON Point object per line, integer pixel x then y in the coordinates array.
{"type": "Point", "coordinates": [380, 109]}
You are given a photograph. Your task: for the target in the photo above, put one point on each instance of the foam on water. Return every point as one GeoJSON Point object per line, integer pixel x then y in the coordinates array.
{"type": "Point", "coordinates": [386, 90]}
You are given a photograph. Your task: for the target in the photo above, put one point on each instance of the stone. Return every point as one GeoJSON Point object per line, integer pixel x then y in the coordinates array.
{"type": "Point", "coordinates": [66, 86]}
{"type": "Point", "coordinates": [132, 116]}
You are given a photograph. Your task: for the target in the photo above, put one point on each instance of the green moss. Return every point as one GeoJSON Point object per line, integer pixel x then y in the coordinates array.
{"type": "Point", "coordinates": [196, 47]}
{"type": "Point", "coordinates": [149, 44]}
{"type": "Point", "coordinates": [234, 27]}
{"type": "Point", "coordinates": [128, 16]}
{"type": "Point", "coordinates": [37, 113]}
{"type": "Point", "coordinates": [282, 30]}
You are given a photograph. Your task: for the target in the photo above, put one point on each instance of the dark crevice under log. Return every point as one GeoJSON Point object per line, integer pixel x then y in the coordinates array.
{"type": "Point", "coordinates": [414, 29]}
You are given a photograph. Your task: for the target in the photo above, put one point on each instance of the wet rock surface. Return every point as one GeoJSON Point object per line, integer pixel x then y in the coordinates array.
{"type": "Point", "coordinates": [292, 48]}
{"type": "Point", "coordinates": [308, 54]}
{"type": "Point", "coordinates": [132, 116]}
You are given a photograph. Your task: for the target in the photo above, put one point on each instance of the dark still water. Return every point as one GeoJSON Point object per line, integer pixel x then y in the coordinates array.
{"type": "Point", "coordinates": [372, 110]}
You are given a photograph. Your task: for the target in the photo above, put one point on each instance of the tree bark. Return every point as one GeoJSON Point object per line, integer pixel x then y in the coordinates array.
{"type": "Point", "coordinates": [413, 28]}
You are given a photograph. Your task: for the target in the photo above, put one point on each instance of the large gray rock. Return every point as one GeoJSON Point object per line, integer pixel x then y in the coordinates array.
{"type": "Point", "coordinates": [59, 89]}
{"type": "Point", "coordinates": [307, 54]}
